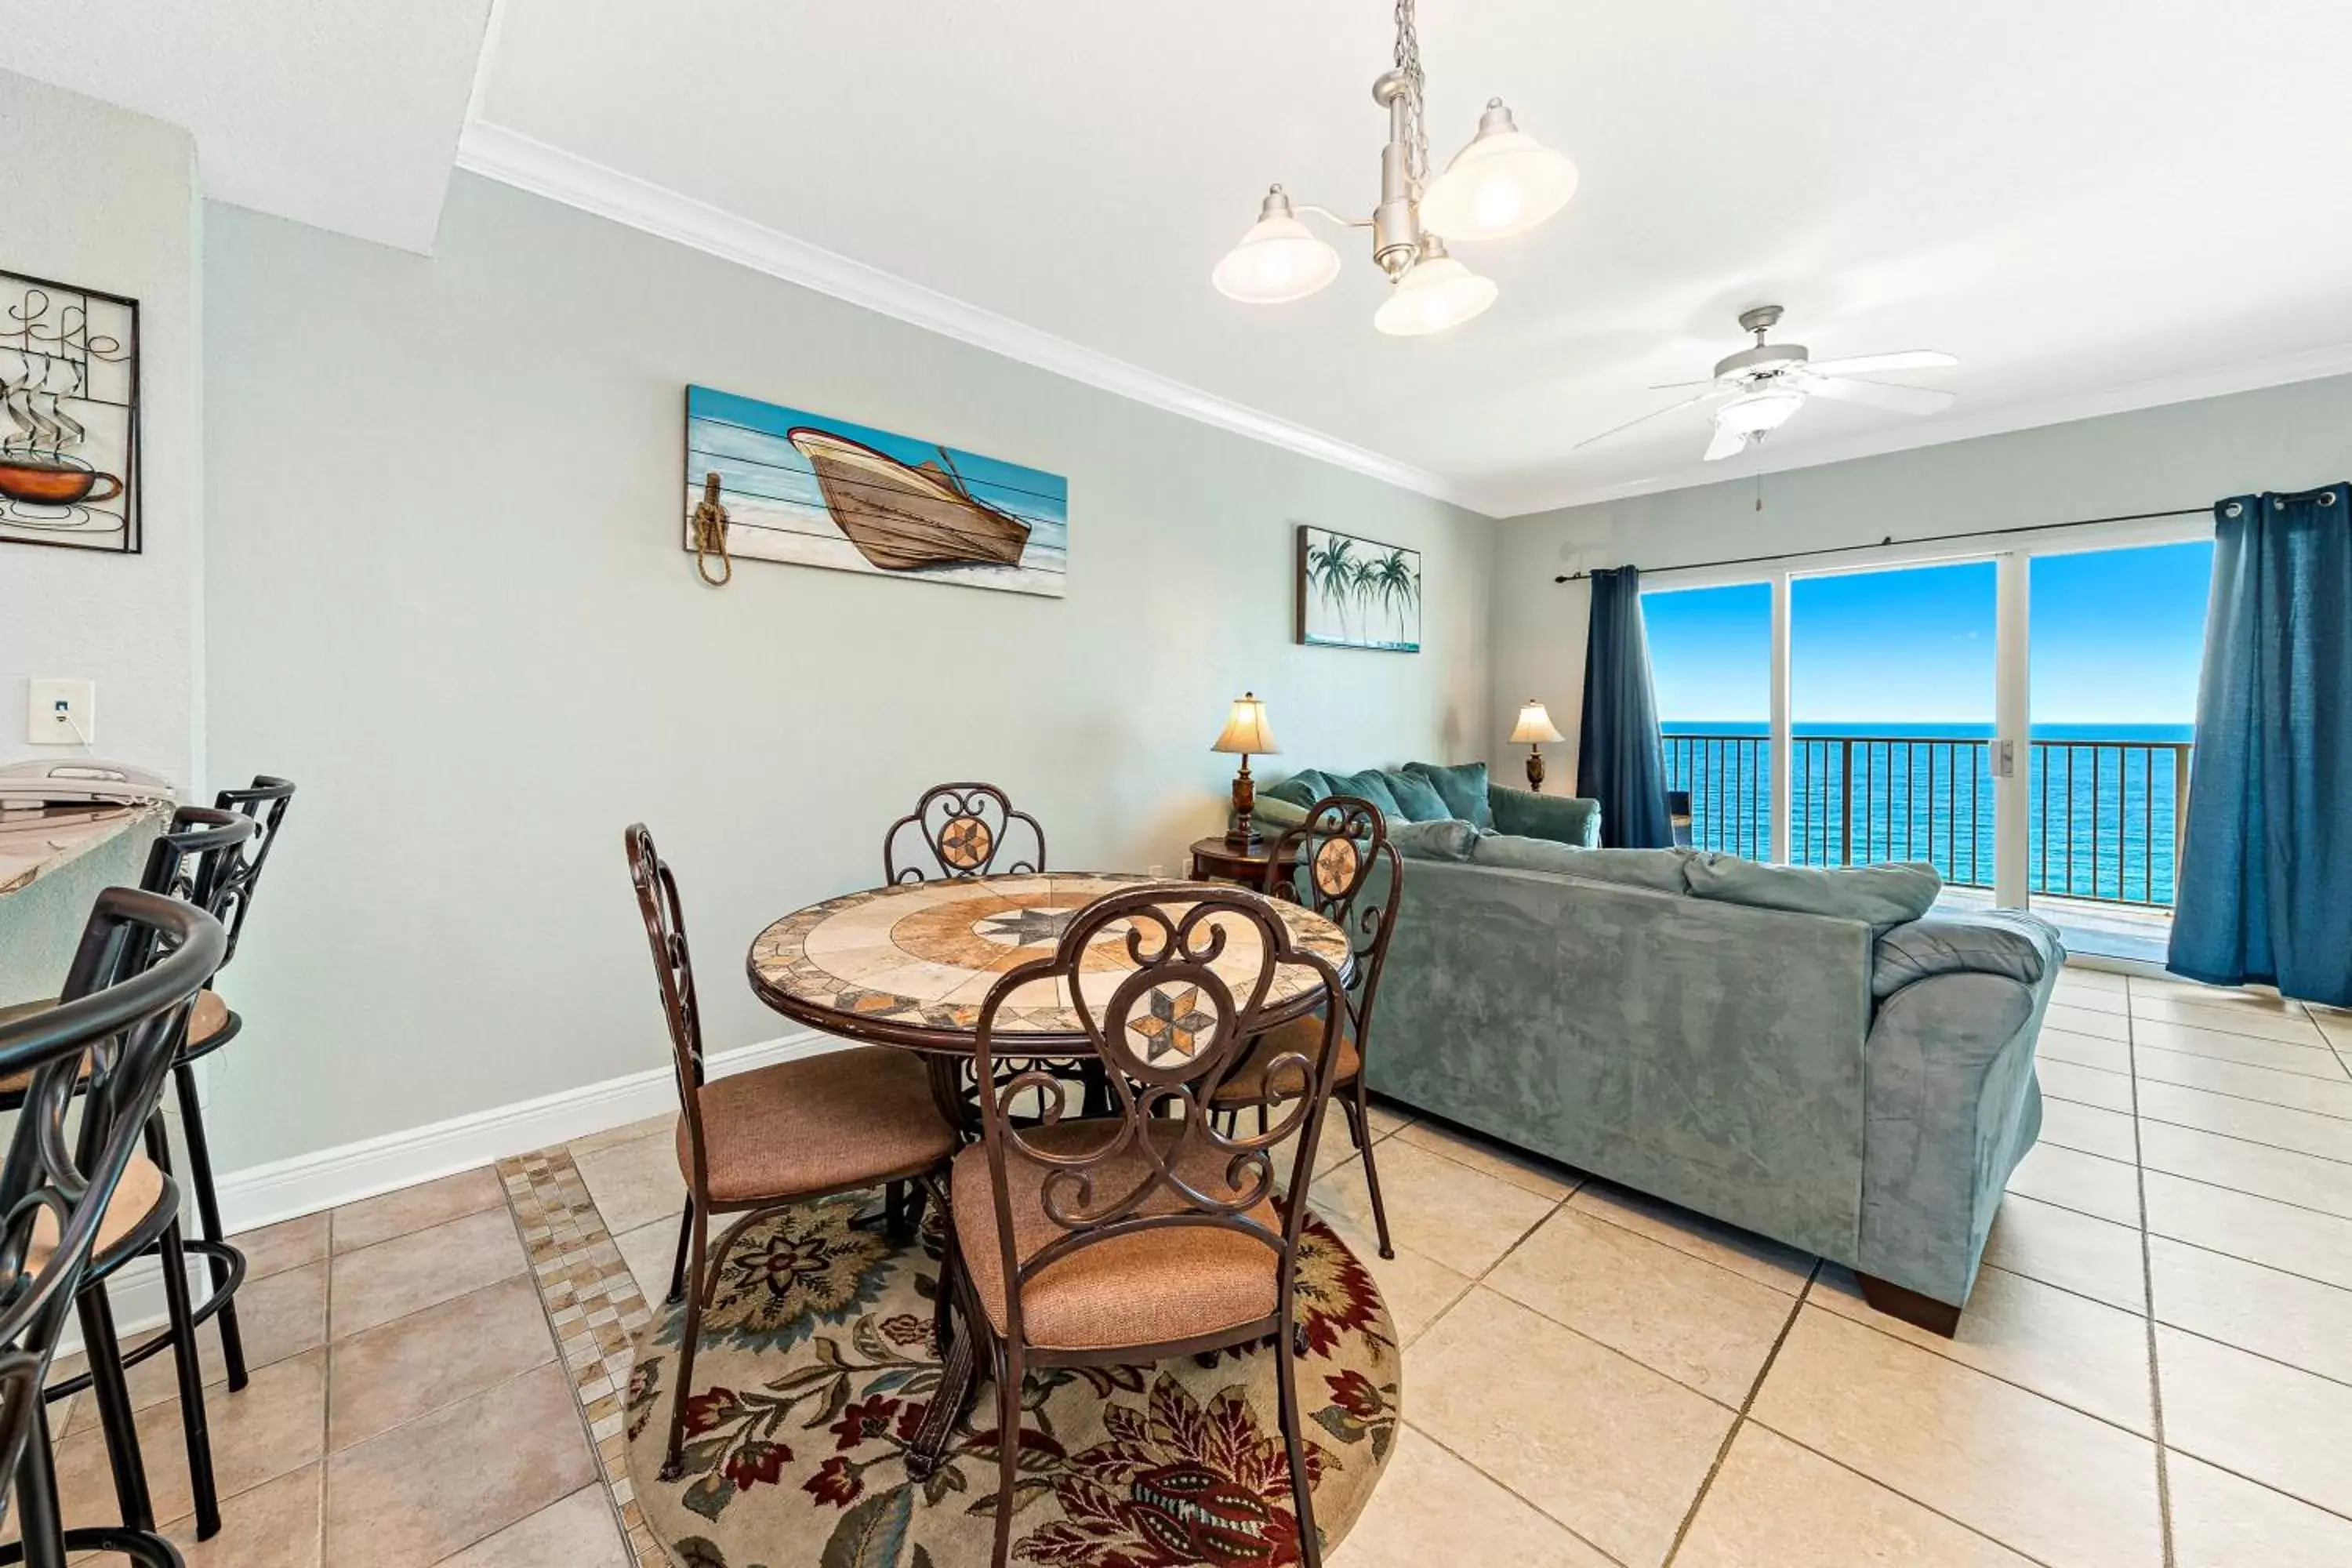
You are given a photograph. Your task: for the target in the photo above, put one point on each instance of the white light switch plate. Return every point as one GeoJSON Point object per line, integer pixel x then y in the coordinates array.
{"type": "Point", "coordinates": [61, 712]}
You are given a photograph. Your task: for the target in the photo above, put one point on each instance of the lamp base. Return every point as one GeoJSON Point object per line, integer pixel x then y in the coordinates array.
{"type": "Point", "coordinates": [1534, 769]}
{"type": "Point", "coordinates": [1242, 833]}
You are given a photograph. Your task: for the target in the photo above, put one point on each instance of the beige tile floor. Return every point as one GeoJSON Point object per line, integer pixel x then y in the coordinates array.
{"type": "Point", "coordinates": [2156, 1369]}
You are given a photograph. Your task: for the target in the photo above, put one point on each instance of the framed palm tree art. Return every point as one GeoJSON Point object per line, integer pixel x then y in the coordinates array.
{"type": "Point", "coordinates": [1358, 593]}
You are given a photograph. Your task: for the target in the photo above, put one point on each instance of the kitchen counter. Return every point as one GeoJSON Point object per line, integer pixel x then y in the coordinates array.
{"type": "Point", "coordinates": [52, 864]}
{"type": "Point", "coordinates": [32, 843]}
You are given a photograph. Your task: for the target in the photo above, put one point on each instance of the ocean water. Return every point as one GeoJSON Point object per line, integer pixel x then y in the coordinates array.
{"type": "Point", "coordinates": [2104, 799]}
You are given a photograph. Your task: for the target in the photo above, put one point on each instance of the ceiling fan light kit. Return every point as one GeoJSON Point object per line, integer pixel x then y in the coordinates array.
{"type": "Point", "coordinates": [1504, 183]}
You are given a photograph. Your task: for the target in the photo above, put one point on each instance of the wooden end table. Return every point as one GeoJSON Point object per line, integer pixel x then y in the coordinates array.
{"type": "Point", "coordinates": [1216, 861]}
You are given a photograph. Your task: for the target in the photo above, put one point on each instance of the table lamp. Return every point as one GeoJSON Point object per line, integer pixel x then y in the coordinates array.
{"type": "Point", "coordinates": [1534, 731]}
{"type": "Point", "coordinates": [1246, 734]}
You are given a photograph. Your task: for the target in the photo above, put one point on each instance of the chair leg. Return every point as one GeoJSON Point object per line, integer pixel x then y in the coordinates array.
{"type": "Point", "coordinates": [1008, 1450]}
{"type": "Point", "coordinates": [673, 1459]}
{"type": "Point", "coordinates": [1360, 1127]}
{"type": "Point", "coordinates": [186, 1357]}
{"type": "Point", "coordinates": [894, 1211]}
{"type": "Point", "coordinates": [678, 1270]}
{"type": "Point", "coordinates": [115, 1412]}
{"type": "Point", "coordinates": [1302, 1494]}
{"type": "Point", "coordinates": [38, 1519]}
{"type": "Point", "coordinates": [200, 1177]}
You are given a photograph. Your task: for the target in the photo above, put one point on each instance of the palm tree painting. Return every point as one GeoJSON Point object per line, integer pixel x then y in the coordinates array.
{"type": "Point", "coordinates": [1357, 593]}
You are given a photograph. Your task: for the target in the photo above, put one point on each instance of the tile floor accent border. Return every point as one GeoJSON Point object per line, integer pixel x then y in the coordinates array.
{"type": "Point", "coordinates": [594, 1306]}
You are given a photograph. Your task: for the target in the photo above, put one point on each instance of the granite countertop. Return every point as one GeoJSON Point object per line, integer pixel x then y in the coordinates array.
{"type": "Point", "coordinates": [34, 843]}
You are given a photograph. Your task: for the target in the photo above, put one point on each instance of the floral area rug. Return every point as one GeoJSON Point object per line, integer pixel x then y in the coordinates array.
{"type": "Point", "coordinates": [817, 1365]}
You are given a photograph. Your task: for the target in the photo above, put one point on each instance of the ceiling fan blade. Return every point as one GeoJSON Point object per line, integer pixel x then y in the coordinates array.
{"type": "Point", "coordinates": [1713, 392]}
{"type": "Point", "coordinates": [1679, 386]}
{"type": "Point", "coordinates": [1726, 444]}
{"type": "Point", "coordinates": [1877, 364]}
{"type": "Point", "coordinates": [1878, 395]}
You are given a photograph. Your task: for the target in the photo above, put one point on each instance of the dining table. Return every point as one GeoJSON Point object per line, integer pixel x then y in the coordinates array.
{"type": "Point", "coordinates": [909, 965]}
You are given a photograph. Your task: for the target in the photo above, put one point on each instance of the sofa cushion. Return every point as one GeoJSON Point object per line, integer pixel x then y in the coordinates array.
{"type": "Point", "coordinates": [1463, 787]}
{"type": "Point", "coordinates": [1876, 895]}
{"type": "Point", "coordinates": [1562, 818]}
{"type": "Point", "coordinates": [1417, 799]}
{"type": "Point", "coordinates": [1304, 787]}
{"type": "Point", "coordinates": [1274, 815]}
{"type": "Point", "coordinates": [2008, 942]}
{"type": "Point", "coordinates": [1444, 840]}
{"type": "Point", "coordinates": [1371, 784]}
{"type": "Point", "coordinates": [1661, 870]}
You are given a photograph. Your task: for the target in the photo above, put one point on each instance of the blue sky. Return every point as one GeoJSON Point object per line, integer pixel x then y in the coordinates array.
{"type": "Point", "coordinates": [2117, 638]}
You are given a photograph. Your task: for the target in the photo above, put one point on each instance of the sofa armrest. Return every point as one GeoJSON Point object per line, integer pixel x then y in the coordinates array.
{"type": "Point", "coordinates": [1562, 818]}
{"type": "Point", "coordinates": [2008, 942]}
{"type": "Point", "coordinates": [1950, 1104]}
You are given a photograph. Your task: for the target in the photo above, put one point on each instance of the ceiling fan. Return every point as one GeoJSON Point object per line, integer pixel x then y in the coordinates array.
{"type": "Point", "coordinates": [1767, 384]}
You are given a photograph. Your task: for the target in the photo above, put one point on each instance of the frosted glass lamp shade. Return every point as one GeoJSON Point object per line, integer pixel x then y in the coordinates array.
{"type": "Point", "coordinates": [1278, 260]}
{"type": "Point", "coordinates": [1246, 732]}
{"type": "Point", "coordinates": [1757, 413]}
{"type": "Point", "coordinates": [1535, 726]}
{"type": "Point", "coordinates": [1504, 183]}
{"type": "Point", "coordinates": [1435, 293]}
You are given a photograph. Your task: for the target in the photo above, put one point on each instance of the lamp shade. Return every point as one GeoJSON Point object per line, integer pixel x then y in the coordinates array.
{"type": "Point", "coordinates": [1436, 292]}
{"type": "Point", "coordinates": [1504, 183]}
{"type": "Point", "coordinates": [1277, 260]}
{"type": "Point", "coordinates": [1535, 726]}
{"type": "Point", "coordinates": [1246, 730]}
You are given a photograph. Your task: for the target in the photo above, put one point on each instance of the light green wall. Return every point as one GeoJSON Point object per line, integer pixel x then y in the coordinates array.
{"type": "Point", "coordinates": [2183, 455]}
{"type": "Point", "coordinates": [447, 598]}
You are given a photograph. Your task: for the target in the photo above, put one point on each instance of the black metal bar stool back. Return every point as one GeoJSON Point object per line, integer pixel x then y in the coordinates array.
{"type": "Point", "coordinates": [109, 1041]}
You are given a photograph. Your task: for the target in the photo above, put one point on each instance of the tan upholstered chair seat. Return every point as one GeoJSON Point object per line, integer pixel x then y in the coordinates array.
{"type": "Point", "coordinates": [207, 1018]}
{"type": "Point", "coordinates": [135, 1197]}
{"type": "Point", "coordinates": [1304, 1036]}
{"type": "Point", "coordinates": [845, 1119]}
{"type": "Point", "coordinates": [1153, 1287]}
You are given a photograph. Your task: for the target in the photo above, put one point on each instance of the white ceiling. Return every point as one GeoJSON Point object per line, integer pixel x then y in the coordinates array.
{"type": "Point", "coordinates": [340, 113]}
{"type": "Point", "coordinates": [2095, 206]}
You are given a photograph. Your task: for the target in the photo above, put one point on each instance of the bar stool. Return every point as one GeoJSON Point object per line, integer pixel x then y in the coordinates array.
{"type": "Point", "coordinates": [78, 1204]}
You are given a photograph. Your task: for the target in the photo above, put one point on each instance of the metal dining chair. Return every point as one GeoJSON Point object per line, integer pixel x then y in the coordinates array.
{"type": "Point", "coordinates": [81, 1200]}
{"type": "Point", "coordinates": [841, 1121]}
{"type": "Point", "coordinates": [1148, 1233]}
{"type": "Point", "coordinates": [1339, 863]}
{"type": "Point", "coordinates": [962, 830]}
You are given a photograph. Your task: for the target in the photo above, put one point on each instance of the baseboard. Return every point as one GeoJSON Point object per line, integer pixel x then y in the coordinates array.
{"type": "Point", "coordinates": [287, 1189]}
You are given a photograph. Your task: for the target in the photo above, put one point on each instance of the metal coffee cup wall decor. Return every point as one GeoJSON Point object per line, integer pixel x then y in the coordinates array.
{"type": "Point", "coordinates": [68, 416]}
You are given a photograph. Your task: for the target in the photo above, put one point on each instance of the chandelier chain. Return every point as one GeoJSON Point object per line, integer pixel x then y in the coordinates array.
{"type": "Point", "coordinates": [1408, 64]}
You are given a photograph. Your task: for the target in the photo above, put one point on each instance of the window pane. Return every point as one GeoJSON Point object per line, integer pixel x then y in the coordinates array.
{"type": "Point", "coordinates": [1711, 656]}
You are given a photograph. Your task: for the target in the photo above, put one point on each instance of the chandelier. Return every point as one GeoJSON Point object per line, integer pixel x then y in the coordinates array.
{"type": "Point", "coordinates": [1504, 183]}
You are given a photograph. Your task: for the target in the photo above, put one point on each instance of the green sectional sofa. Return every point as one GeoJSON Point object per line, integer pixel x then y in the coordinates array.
{"type": "Point", "coordinates": [1809, 1055]}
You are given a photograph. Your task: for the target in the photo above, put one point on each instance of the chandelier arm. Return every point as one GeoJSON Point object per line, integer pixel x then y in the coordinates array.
{"type": "Point", "coordinates": [1327, 215]}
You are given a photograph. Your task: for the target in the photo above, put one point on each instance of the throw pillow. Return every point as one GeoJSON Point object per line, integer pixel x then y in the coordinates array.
{"type": "Point", "coordinates": [1562, 818]}
{"type": "Point", "coordinates": [1369, 784]}
{"type": "Point", "coordinates": [1304, 787]}
{"type": "Point", "coordinates": [1462, 786]}
{"type": "Point", "coordinates": [1444, 840]}
{"type": "Point", "coordinates": [1876, 895]}
{"type": "Point", "coordinates": [1419, 799]}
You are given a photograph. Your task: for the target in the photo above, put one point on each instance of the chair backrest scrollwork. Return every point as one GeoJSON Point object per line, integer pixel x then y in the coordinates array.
{"type": "Point", "coordinates": [264, 804]}
{"type": "Point", "coordinates": [1340, 863]}
{"type": "Point", "coordinates": [1169, 1023]}
{"type": "Point", "coordinates": [962, 830]}
{"type": "Point", "coordinates": [664, 918]}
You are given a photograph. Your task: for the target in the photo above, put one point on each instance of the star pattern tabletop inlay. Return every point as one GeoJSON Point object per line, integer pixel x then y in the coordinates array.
{"type": "Point", "coordinates": [1031, 927]}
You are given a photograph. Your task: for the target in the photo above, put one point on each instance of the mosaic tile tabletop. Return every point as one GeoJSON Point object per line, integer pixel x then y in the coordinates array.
{"type": "Point", "coordinates": [924, 955]}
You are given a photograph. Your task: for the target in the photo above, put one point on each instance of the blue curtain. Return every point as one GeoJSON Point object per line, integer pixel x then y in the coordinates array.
{"type": "Point", "coordinates": [1620, 760]}
{"type": "Point", "coordinates": [2265, 883]}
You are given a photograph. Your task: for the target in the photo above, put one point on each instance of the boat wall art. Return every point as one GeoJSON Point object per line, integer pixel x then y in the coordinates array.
{"type": "Point", "coordinates": [68, 416]}
{"type": "Point", "coordinates": [1358, 593]}
{"type": "Point", "coordinates": [816, 491]}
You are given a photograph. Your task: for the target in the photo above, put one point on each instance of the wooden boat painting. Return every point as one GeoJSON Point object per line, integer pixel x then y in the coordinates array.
{"type": "Point", "coordinates": [810, 490]}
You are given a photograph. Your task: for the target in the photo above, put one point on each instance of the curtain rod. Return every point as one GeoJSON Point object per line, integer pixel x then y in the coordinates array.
{"type": "Point", "coordinates": [1930, 539]}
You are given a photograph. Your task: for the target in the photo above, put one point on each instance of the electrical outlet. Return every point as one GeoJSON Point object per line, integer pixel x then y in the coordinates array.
{"type": "Point", "coordinates": [61, 712]}
{"type": "Point", "coordinates": [1155, 872]}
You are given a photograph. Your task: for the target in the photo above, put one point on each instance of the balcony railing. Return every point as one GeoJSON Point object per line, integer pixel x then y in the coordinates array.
{"type": "Point", "coordinates": [2106, 815]}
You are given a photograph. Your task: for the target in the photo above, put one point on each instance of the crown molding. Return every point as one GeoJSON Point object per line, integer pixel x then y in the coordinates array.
{"type": "Point", "coordinates": [519, 161]}
{"type": "Point", "coordinates": [2255, 376]}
